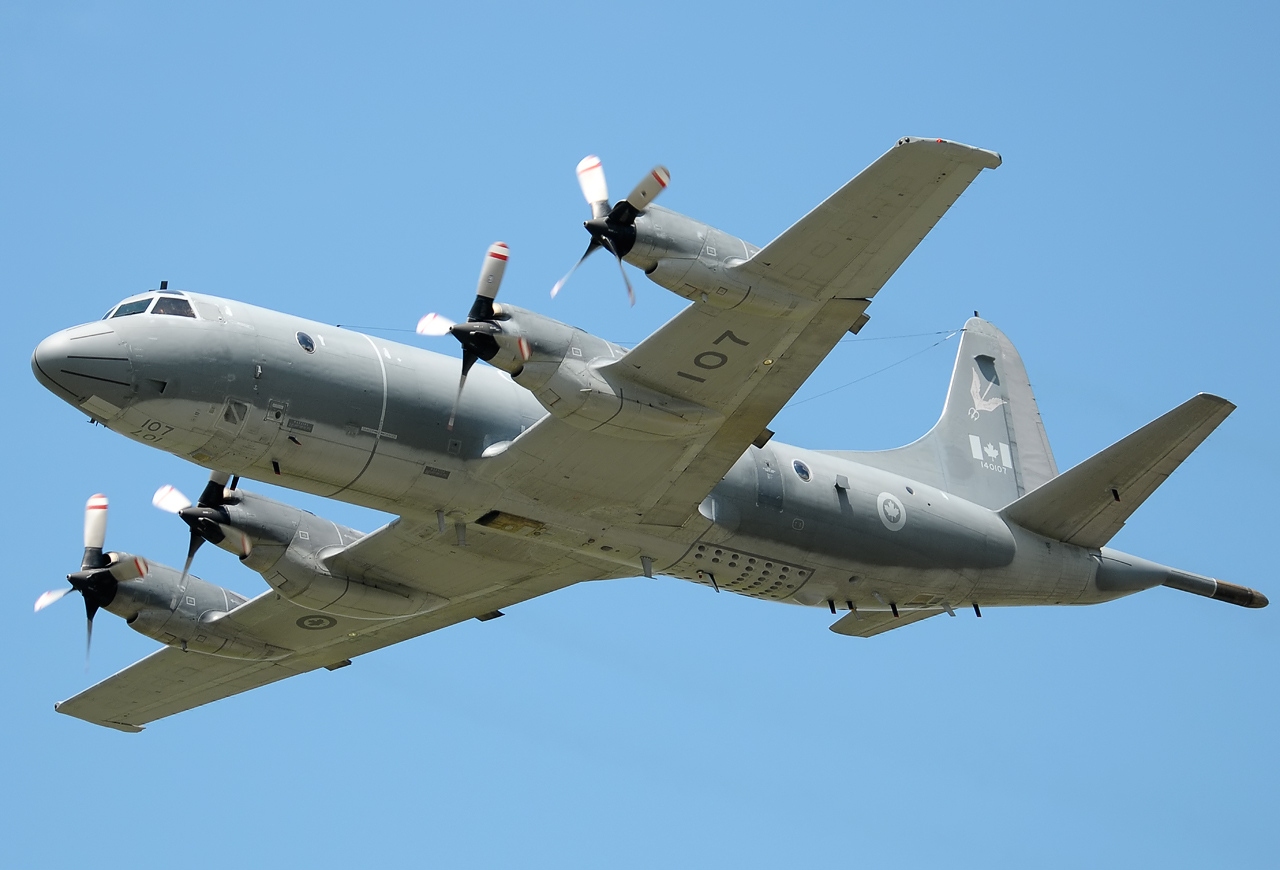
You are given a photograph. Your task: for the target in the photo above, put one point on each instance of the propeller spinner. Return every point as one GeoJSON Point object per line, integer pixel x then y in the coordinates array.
{"type": "Point", "coordinates": [613, 227]}
{"type": "Point", "coordinates": [476, 333]}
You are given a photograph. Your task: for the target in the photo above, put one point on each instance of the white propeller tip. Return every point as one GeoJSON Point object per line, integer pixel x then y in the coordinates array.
{"type": "Point", "coordinates": [169, 499]}
{"type": "Point", "coordinates": [49, 597]}
{"type": "Point", "coordinates": [95, 521]}
{"type": "Point", "coordinates": [591, 179]}
{"type": "Point", "coordinates": [649, 187]}
{"type": "Point", "coordinates": [434, 324]}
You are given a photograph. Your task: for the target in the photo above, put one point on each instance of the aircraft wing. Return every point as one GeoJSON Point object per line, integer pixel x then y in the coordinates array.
{"type": "Point", "coordinates": [742, 365]}
{"type": "Point", "coordinates": [859, 236]}
{"type": "Point", "coordinates": [493, 571]}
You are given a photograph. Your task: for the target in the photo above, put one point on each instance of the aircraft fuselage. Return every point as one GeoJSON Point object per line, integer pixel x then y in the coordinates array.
{"type": "Point", "coordinates": [341, 414]}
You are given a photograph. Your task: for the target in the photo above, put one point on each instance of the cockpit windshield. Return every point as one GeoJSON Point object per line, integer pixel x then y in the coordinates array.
{"type": "Point", "coordinates": [137, 306]}
{"type": "Point", "coordinates": [173, 305]}
{"type": "Point", "coordinates": [165, 302]}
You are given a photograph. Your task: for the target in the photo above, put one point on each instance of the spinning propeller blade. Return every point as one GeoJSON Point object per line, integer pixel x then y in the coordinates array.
{"type": "Point", "coordinates": [50, 597]}
{"type": "Point", "coordinates": [591, 246]}
{"type": "Point", "coordinates": [649, 188]}
{"type": "Point", "coordinates": [202, 519]}
{"type": "Point", "coordinates": [96, 580]}
{"type": "Point", "coordinates": [435, 324]}
{"type": "Point", "coordinates": [595, 190]}
{"type": "Point", "coordinates": [95, 524]}
{"type": "Point", "coordinates": [475, 334]}
{"type": "Point", "coordinates": [170, 500]}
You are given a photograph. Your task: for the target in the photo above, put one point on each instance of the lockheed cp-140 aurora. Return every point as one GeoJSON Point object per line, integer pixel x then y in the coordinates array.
{"type": "Point", "coordinates": [569, 458]}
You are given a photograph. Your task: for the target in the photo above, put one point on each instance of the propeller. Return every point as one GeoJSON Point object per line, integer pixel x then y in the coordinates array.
{"type": "Point", "coordinates": [476, 333]}
{"type": "Point", "coordinates": [100, 573]}
{"type": "Point", "coordinates": [613, 227]}
{"type": "Point", "coordinates": [206, 519]}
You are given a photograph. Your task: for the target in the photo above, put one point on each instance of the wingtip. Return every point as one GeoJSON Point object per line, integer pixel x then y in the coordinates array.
{"type": "Point", "coordinates": [967, 153]}
{"type": "Point", "coordinates": [1212, 397]}
{"type": "Point", "coordinates": [127, 727]}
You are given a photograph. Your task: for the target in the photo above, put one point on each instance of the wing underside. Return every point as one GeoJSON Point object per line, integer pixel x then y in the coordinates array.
{"type": "Point", "coordinates": [491, 572]}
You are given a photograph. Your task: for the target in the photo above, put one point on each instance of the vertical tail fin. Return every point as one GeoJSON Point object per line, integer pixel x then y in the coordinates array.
{"type": "Point", "coordinates": [989, 446]}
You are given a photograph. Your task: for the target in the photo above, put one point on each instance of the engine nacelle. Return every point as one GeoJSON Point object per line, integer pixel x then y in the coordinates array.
{"type": "Point", "coordinates": [662, 234]}
{"type": "Point", "coordinates": [287, 546]}
{"type": "Point", "coordinates": [201, 634]}
{"type": "Point", "coordinates": [698, 262]}
{"type": "Point", "coordinates": [569, 371]}
{"type": "Point", "coordinates": [161, 606]}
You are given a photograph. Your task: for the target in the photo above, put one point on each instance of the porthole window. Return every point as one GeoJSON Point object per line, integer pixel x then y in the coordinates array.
{"type": "Point", "coordinates": [305, 342]}
{"type": "Point", "coordinates": [802, 470]}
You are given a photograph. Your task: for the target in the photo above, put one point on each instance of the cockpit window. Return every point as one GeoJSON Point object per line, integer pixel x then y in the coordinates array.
{"type": "Point", "coordinates": [138, 306]}
{"type": "Point", "coordinates": [173, 305]}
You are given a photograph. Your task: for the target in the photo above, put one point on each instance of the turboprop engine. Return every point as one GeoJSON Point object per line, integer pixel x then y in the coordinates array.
{"type": "Point", "coordinates": [568, 370]}
{"type": "Point", "coordinates": [153, 599]}
{"type": "Point", "coordinates": [290, 548]}
{"type": "Point", "coordinates": [688, 257]}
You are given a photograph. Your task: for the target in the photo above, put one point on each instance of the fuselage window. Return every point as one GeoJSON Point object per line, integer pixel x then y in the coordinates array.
{"type": "Point", "coordinates": [305, 342]}
{"type": "Point", "coordinates": [173, 305]}
{"type": "Point", "coordinates": [802, 470]}
{"type": "Point", "coordinates": [135, 307]}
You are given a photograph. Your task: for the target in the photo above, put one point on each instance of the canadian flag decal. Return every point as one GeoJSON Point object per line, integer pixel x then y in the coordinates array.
{"type": "Point", "coordinates": [990, 452]}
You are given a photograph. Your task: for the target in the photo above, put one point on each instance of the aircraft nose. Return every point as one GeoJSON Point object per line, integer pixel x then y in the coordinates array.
{"type": "Point", "coordinates": [87, 366]}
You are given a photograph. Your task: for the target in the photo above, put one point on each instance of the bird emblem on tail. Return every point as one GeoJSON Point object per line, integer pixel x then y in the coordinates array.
{"type": "Point", "coordinates": [980, 400]}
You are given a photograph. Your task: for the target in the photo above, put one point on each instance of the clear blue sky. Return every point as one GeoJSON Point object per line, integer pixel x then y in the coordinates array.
{"type": "Point", "coordinates": [352, 165]}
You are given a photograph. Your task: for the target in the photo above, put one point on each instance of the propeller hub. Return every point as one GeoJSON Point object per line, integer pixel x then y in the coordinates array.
{"type": "Point", "coordinates": [477, 337]}
{"type": "Point", "coordinates": [616, 238]}
{"type": "Point", "coordinates": [97, 587]}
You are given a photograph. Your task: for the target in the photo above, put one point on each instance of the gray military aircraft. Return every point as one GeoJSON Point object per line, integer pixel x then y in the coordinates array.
{"type": "Point", "coordinates": [571, 458]}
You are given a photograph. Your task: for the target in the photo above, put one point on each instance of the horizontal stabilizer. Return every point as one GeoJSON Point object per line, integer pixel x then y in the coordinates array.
{"type": "Point", "coordinates": [1087, 505]}
{"type": "Point", "coordinates": [869, 623]}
